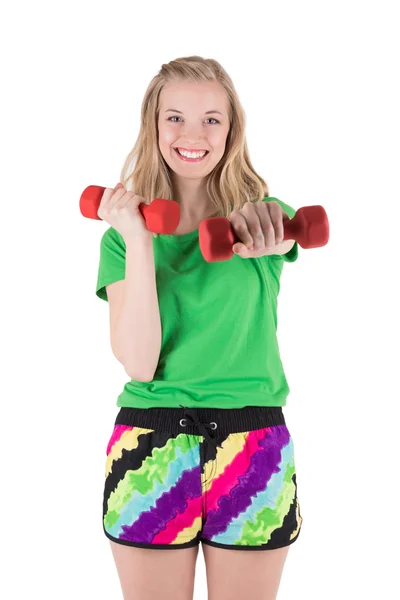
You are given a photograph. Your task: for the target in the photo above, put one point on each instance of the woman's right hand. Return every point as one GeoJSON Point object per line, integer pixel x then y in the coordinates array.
{"type": "Point", "coordinates": [120, 209]}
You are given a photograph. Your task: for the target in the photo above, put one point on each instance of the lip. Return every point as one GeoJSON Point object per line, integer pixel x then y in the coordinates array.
{"type": "Point", "coordinates": [185, 159]}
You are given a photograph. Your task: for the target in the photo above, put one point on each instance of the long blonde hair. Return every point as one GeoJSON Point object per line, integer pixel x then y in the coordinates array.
{"type": "Point", "coordinates": [232, 182]}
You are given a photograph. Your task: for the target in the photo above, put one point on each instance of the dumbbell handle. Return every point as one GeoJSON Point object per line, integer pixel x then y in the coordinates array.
{"type": "Point", "coordinates": [309, 227]}
{"type": "Point", "coordinates": [161, 216]}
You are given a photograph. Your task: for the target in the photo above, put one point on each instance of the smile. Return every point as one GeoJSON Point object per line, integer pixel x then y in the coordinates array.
{"type": "Point", "coordinates": [189, 159]}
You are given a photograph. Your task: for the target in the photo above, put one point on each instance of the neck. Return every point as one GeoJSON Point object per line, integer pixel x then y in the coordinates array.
{"type": "Point", "coordinates": [192, 198]}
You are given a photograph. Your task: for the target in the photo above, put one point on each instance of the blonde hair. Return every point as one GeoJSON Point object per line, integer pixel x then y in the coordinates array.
{"type": "Point", "coordinates": [232, 182]}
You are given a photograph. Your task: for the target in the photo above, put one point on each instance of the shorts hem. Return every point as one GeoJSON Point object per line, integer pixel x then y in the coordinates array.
{"type": "Point", "coordinates": [243, 547]}
{"type": "Point", "coordinates": [191, 544]}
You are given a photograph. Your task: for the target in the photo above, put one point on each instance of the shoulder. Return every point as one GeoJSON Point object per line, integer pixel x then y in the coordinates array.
{"type": "Point", "coordinates": [112, 238]}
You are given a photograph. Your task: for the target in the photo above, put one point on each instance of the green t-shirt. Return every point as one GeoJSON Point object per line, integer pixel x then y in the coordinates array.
{"type": "Point", "coordinates": [219, 320]}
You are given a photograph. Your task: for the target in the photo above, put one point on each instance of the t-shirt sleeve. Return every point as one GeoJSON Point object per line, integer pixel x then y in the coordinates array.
{"type": "Point", "coordinates": [293, 253]}
{"type": "Point", "coordinates": [112, 261]}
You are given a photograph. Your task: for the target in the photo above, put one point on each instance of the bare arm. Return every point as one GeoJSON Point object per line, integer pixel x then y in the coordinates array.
{"type": "Point", "coordinates": [135, 322]}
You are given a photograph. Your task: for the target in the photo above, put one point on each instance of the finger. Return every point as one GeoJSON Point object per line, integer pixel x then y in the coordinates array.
{"type": "Point", "coordinates": [239, 225]}
{"type": "Point", "coordinates": [105, 198]}
{"type": "Point", "coordinates": [129, 198]}
{"type": "Point", "coordinates": [251, 211]}
{"type": "Point", "coordinates": [241, 250]}
{"type": "Point", "coordinates": [117, 195]}
{"type": "Point", "coordinates": [267, 225]}
{"type": "Point", "coordinates": [276, 214]}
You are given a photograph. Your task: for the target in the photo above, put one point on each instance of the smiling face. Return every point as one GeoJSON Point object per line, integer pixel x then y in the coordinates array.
{"type": "Point", "coordinates": [194, 118]}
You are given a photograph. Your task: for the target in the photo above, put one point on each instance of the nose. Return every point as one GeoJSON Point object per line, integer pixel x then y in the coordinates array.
{"type": "Point", "coordinates": [193, 134]}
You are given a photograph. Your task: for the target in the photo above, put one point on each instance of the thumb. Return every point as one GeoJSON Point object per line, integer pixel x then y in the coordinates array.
{"type": "Point", "coordinates": [238, 248]}
{"type": "Point", "coordinates": [119, 185]}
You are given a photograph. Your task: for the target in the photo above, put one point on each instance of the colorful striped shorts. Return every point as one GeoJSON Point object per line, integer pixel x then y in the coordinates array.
{"type": "Point", "coordinates": [176, 477]}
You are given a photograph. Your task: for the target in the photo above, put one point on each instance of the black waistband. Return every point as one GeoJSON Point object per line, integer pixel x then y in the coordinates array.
{"type": "Point", "coordinates": [231, 420]}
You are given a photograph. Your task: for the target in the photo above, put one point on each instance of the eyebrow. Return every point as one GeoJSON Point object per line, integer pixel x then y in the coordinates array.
{"type": "Point", "coordinates": [209, 112]}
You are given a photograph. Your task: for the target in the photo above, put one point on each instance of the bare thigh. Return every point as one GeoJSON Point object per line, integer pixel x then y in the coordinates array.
{"type": "Point", "coordinates": [238, 574]}
{"type": "Point", "coordinates": [151, 574]}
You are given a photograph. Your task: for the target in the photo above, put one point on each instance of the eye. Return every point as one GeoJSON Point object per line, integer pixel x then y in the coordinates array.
{"type": "Point", "coordinates": [176, 117]}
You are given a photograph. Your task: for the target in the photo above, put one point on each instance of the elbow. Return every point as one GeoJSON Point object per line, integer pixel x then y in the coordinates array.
{"type": "Point", "coordinates": [142, 377]}
{"type": "Point", "coordinates": [146, 379]}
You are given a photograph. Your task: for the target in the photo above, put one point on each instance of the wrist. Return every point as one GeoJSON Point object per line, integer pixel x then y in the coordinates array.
{"type": "Point", "coordinates": [134, 240]}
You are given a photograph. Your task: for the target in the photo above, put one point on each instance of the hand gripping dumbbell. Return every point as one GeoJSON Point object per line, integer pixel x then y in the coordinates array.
{"type": "Point", "coordinates": [309, 227]}
{"type": "Point", "coordinates": [161, 216]}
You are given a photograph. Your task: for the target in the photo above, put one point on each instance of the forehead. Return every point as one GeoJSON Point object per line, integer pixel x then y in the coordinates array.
{"type": "Point", "coordinates": [203, 96]}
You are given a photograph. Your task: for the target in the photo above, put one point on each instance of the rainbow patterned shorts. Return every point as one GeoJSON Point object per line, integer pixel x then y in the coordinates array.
{"type": "Point", "coordinates": [176, 477]}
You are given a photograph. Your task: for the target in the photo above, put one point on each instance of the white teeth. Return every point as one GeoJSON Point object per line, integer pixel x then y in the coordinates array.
{"type": "Point", "coordinates": [191, 154]}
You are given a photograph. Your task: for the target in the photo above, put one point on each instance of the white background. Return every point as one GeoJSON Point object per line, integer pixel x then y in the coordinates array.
{"type": "Point", "coordinates": [318, 84]}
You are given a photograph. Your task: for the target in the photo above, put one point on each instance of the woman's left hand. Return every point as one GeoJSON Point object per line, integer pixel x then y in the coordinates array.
{"type": "Point", "coordinates": [259, 226]}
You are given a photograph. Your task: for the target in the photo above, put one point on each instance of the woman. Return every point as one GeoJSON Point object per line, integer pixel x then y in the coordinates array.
{"type": "Point", "coordinates": [200, 451]}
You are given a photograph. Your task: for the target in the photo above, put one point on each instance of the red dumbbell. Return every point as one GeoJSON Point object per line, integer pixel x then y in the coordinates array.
{"type": "Point", "coordinates": [161, 216]}
{"type": "Point", "coordinates": [309, 227]}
